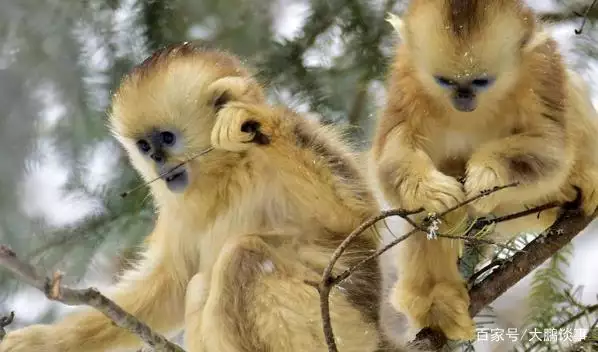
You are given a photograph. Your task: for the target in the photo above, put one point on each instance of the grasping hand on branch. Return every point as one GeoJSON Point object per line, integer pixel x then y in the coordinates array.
{"type": "Point", "coordinates": [329, 281]}
{"type": "Point", "coordinates": [53, 289]}
{"type": "Point", "coordinates": [558, 235]}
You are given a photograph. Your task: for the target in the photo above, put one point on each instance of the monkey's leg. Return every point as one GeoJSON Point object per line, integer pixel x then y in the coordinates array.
{"type": "Point", "coordinates": [430, 289]}
{"type": "Point", "coordinates": [154, 294]}
{"type": "Point", "coordinates": [195, 301]}
{"type": "Point", "coordinates": [258, 301]}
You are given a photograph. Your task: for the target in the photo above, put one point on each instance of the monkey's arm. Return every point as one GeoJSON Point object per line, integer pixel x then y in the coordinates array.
{"type": "Point", "coordinates": [430, 289]}
{"type": "Point", "coordinates": [154, 294]}
{"type": "Point", "coordinates": [409, 179]}
{"type": "Point", "coordinates": [537, 159]}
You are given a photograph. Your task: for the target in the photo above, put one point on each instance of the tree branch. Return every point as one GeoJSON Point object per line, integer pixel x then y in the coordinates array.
{"type": "Point", "coordinates": [4, 322]}
{"type": "Point", "coordinates": [53, 290]}
{"type": "Point", "coordinates": [589, 342]}
{"type": "Point", "coordinates": [506, 274]}
{"type": "Point", "coordinates": [329, 280]}
{"type": "Point", "coordinates": [565, 228]}
{"type": "Point", "coordinates": [590, 13]}
{"type": "Point", "coordinates": [569, 224]}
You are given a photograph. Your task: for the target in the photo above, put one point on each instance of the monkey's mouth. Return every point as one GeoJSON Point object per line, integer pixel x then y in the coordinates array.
{"type": "Point", "coordinates": [177, 180]}
{"type": "Point", "coordinates": [464, 101]}
{"type": "Point", "coordinates": [465, 104]}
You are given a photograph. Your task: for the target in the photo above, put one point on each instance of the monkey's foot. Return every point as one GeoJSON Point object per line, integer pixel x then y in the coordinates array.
{"type": "Point", "coordinates": [445, 308]}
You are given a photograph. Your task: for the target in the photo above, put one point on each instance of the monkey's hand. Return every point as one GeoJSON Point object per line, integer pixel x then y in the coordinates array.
{"type": "Point", "coordinates": [435, 192]}
{"type": "Point", "coordinates": [241, 126]}
{"type": "Point", "coordinates": [585, 185]}
{"type": "Point", "coordinates": [40, 338]}
{"type": "Point", "coordinates": [409, 179]}
{"type": "Point", "coordinates": [481, 177]}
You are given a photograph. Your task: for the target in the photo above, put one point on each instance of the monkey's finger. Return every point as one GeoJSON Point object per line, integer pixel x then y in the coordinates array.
{"type": "Point", "coordinates": [436, 206]}
{"type": "Point", "coordinates": [448, 195]}
{"type": "Point", "coordinates": [447, 200]}
{"type": "Point", "coordinates": [242, 128]}
{"type": "Point", "coordinates": [589, 202]}
{"type": "Point", "coordinates": [451, 200]}
{"type": "Point", "coordinates": [227, 133]}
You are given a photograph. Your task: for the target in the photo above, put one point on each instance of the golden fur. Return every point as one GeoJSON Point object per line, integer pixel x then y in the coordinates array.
{"type": "Point", "coordinates": [258, 217]}
{"type": "Point", "coordinates": [535, 125]}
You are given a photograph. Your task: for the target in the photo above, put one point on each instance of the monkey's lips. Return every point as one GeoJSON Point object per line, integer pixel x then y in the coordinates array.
{"type": "Point", "coordinates": [177, 179]}
{"type": "Point", "coordinates": [468, 104]}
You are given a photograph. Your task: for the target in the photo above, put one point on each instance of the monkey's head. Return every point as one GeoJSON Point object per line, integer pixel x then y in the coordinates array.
{"type": "Point", "coordinates": [467, 52]}
{"type": "Point", "coordinates": [165, 108]}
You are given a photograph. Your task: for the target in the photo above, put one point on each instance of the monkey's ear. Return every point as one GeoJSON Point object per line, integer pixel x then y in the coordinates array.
{"type": "Point", "coordinates": [398, 24]}
{"type": "Point", "coordinates": [233, 88]}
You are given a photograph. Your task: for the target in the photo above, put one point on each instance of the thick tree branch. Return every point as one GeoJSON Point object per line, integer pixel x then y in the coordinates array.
{"type": "Point", "coordinates": [53, 289]}
{"type": "Point", "coordinates": [569, 224]}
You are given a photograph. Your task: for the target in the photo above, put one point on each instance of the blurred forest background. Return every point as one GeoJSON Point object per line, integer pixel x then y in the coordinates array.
{"type": "Point", "coordinates": [61, 172]}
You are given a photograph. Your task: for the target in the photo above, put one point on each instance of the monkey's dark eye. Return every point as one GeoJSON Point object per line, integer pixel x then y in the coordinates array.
{"type": "Point", "coordinates": [143, 145]}
{"type": "Point", "coordinates": [482, 82]}
{"type": "Point", "coordinates": [443, 81]}
{"type": "Point", "coordinates": [167, 138]}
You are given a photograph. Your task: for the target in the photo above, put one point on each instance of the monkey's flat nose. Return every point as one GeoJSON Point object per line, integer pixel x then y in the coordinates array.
{"type": "Point", "coordinates": [464, 93]}
{"type": "Point", "coordinates": [464, 99]}
{"type": "Point", "coordinates": [157, 157]}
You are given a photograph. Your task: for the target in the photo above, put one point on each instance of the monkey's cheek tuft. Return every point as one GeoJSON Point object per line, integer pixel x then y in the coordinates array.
{"type": "Point", "coordinates": [177, 182]}
{"type": "Point", "coordinates": [468, 104]}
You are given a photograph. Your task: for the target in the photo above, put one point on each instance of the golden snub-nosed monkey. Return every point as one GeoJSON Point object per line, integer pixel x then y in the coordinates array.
{"type": "Point", "coordinates": [250, 221]}
{"type": "Point", "coordinates": [477, 91]}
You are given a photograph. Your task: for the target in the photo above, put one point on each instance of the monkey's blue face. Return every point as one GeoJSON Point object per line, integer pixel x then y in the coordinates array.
{"type": "Point", "coordinates": [464, 92]}
{"type": "Point", "coordinates": [158, 147]}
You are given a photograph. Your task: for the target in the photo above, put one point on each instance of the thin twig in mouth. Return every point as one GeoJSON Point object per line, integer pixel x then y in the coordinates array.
{"type": "Point", "coordinates": [205, 151]}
